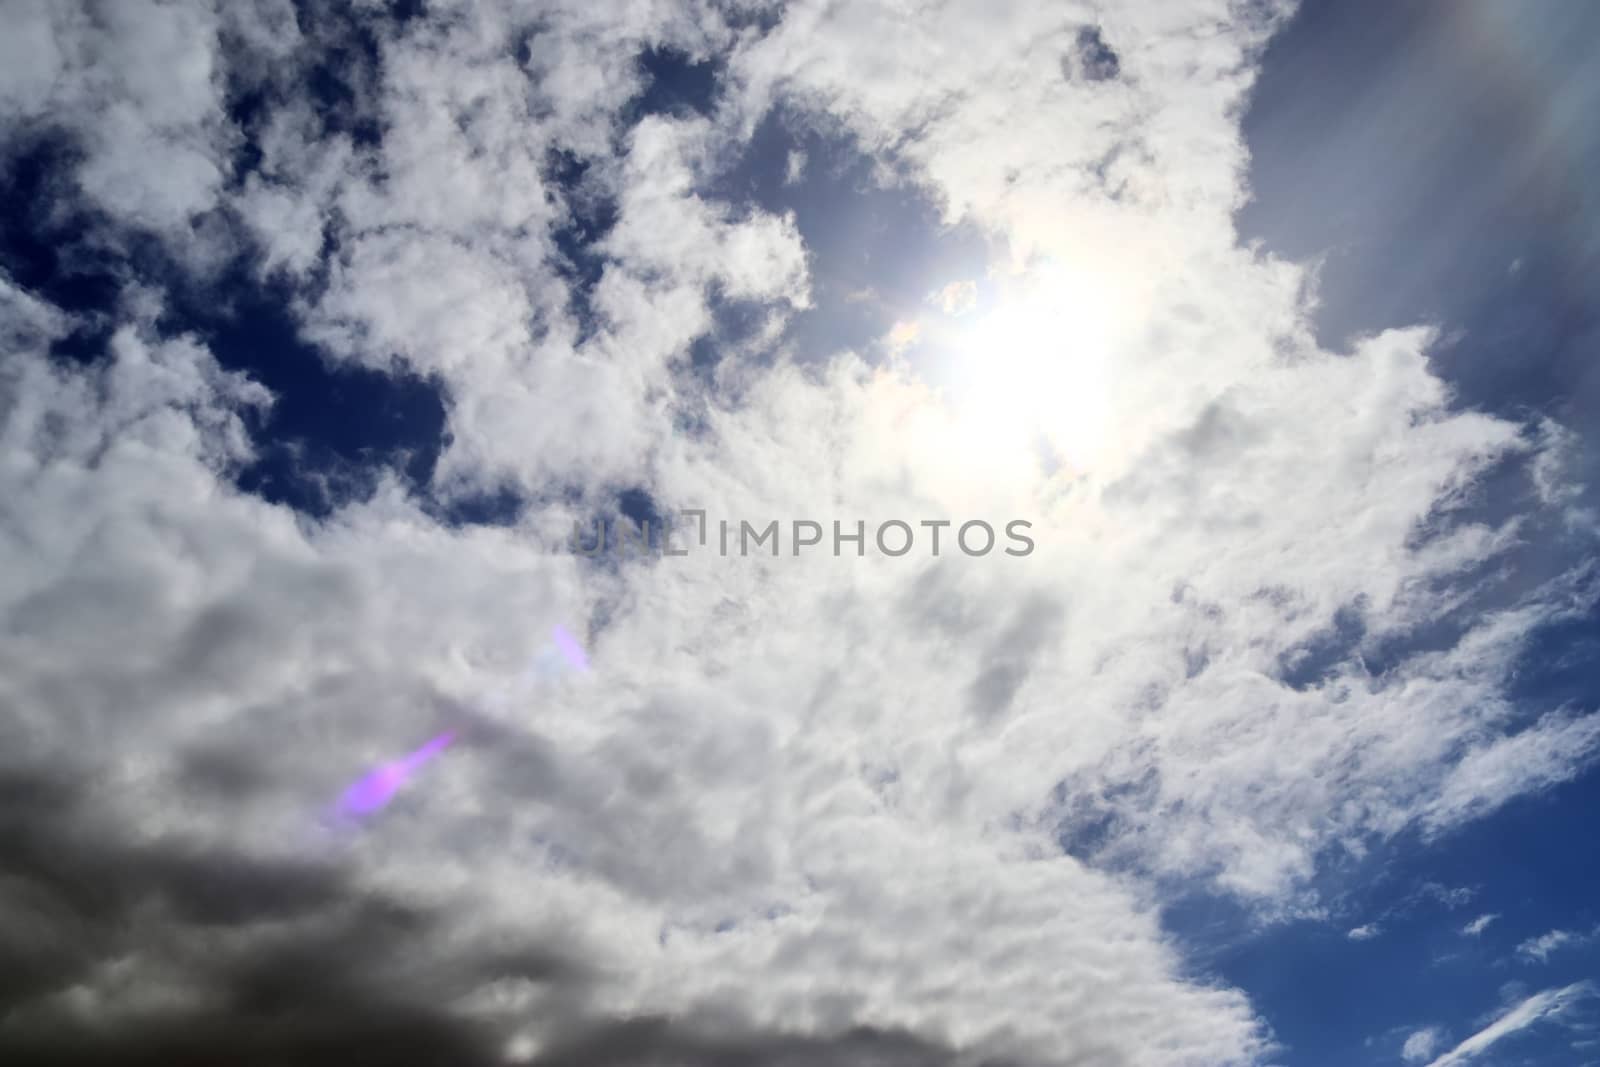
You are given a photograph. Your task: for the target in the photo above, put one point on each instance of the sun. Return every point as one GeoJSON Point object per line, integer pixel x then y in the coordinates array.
{"type": "Point", "coordinates": [1035, 369]}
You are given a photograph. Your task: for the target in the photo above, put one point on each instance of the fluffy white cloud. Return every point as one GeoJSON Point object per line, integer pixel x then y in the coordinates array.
{"type": "Point", "coordinates": [667, 824]}
{"type": "Point", "coordinates": [795, 796]}
{"type": "Point", "coordinates": [138, 84]}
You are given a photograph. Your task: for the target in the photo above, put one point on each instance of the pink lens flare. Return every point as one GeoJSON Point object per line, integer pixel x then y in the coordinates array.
{"type": "Point", "coordinates": [569, 648]}
{"type": "Point", "coordinates": [374, 791]}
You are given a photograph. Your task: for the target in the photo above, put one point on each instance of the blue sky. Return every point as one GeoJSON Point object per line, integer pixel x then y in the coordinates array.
{"type": "Point", "coordinates": [324, 327]}
{"type": "Point", "coordinates": [1376, 129]}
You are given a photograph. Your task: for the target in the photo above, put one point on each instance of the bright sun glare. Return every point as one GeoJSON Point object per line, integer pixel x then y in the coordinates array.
{"type": "Point", "coordinates": [1035, 369]}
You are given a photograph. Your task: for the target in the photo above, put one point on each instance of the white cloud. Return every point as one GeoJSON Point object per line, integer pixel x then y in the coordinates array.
{"type": "Point", "coordinates": [810, 794]}
{"type": "Point", "coordinates": [679, 804]}
{"type": "Point", "coordinates": [1539, 949]}
{"type": "Point", "coordinates": [957, 298]}
{"type": "Point", "coordinates": [794, 167]}
{"type": "Point", "coordinates": [1479, 925]}
{"type": "Point", "coordinates": [1552, 1004]}
{"type": "Point", "coordinates": [138, 84]}
{"type": "Point", "coordinates": [1422, 1044]}
{"type": "Point", "coordinates": [1449, 896]}
{"type": "Point", "coordinates": [1551, 751]}
{"type": "Point", "coordinates": [1364, 933]}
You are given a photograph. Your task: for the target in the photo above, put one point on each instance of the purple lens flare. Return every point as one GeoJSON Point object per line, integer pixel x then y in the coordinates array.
{"type": "Point", "coordinates": [569, 648]}
{"type": "Point", "coordinates": [374, 791]}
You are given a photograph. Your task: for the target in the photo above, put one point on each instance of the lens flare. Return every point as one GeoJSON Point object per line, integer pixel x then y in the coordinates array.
{"type": "Point", "coordinates": [569, 648]}
{"type": "Point", "coordinates": [373, 792]}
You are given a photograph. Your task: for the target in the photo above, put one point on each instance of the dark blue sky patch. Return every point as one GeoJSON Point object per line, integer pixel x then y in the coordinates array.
{"type": "Point", "coordinates": [1092, 58]}
{"type": "Point", "coordinates": [333, 426]}
{"type": "Point", "coordinates": [1506, 482]}
{"type": "Point", "coordinates": [638, 507]}
{"type": "Point", "coordinates": [44, 240]}
{"type": "Point", "coordinates": [735, 323]}
{"type": "Point", "coordinates": [501, 506]}
{"type": "Point", "coordinates": [1557, 669]}
{"type": "Point", "coordinates": [1088, 832]}
{"type": "Point", "coordinates": [1315, 661]}
{"type": "Point", "coordinates": [1089, 825]}
{"type": "Point", "coordinates": [591, 213]}
{"type": "Point", "coordinates": [404, 11]}
{"type": "Point", "coordinates": [1421, 150]}
{"type": "Point", "coordinates": [1425, 154]}
{"type": "Point", "coordinates": [1451, 203]}
{"type": "Point", "coordinates": [1531, 863]}
{"type": "Point", "coordinates": [522, 49]}
{"type": "Point", "coordinates": [875, 252]}
{"type": "Point", "coordinates": [343, 71]}
{"type": "Point", "coordinates": [704, 354]}
{"type": "Point", "coordinates": [1464, 200]}
{"type": "Point", "coordinates": [611, 533]}
{"type": "Point", "coordinates": [762, 18]}
{"type": "Point", "coordinates": [675, 84]}
{"type": "Point", "coordinates": [58, 246]}
{"type": "Point", "coordinates": [248, 107]}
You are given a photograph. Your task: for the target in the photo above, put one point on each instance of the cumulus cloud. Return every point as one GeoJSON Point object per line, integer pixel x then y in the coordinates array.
{"type": "Point", "coordinates": [1479, 925]}
{"type": "Point", "coordinates": [138, 87]}
{"type": "Point", "coordinates": [801, 809]}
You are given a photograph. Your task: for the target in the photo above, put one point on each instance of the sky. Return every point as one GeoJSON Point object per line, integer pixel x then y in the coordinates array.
{"type": "Point", "coordinates": [736, 533]}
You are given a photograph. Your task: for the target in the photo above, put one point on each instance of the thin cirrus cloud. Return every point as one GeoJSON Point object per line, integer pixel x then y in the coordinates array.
{"type": "Point", "coordinates": [1550, 1005]}
{"type": "Point", "coordinates": [1539, 949]}
{"type": "Point", "coordinates": [799, 809]}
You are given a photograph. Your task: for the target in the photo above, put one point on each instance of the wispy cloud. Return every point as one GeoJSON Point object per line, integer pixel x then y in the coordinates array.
{"type": "Point", "coordinates": [1422, 1044]}
{"type": "Point", "coordinates": [1539, 949]}
{"type": "Point", "coordinates": [1480, 924]}
{"type": "Point", "coordinates": [1550, 1004]}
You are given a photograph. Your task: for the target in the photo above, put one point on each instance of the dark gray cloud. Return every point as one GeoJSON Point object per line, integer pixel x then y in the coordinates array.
{"type": "Point", "coordinates": [273, 962]}
{"type": "Point", "coordinates": [1035, 627]}
{"type": "Point", "coordinates": [659, 1042]}
{"type": "Point", "coordinates": [242, 959]}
